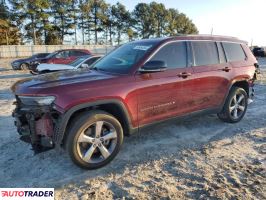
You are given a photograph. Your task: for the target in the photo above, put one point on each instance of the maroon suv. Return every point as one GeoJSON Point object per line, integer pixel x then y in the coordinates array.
{"type": "Point", "coordinates": [89, 111]}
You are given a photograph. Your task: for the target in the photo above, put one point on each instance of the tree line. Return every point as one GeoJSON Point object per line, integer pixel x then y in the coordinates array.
{"type": "Point", "coordinates": [94, 21]}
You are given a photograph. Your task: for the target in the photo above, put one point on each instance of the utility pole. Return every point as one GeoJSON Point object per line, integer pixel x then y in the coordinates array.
{"type": "Point", "coordinates": [212, 31]}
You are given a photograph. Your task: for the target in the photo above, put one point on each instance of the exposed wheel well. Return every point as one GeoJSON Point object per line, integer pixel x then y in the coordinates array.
{"type": "Point", "coordinates": [242, 84]}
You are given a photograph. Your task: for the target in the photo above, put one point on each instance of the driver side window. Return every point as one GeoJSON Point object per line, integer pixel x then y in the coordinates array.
{"type": "Point", "coordinates": [173, 54]}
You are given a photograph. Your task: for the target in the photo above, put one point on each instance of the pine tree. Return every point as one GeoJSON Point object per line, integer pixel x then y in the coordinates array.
{"type": "Point", "coordinates": [121, 20]}
{"type": "Point", "coordinates": [63, 21]}
{"type": "Point", "coordinates": [9, 34]}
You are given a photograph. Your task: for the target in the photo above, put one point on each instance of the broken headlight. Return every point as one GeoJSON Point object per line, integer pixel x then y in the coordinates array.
{"type": "Point", "coordinates": [37, 100]}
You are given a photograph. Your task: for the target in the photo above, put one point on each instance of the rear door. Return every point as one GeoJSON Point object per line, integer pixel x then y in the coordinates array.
{"type": "Point", "coordinates": [212, 74]}
{"type": "Point", "coordinates": [165, 94]}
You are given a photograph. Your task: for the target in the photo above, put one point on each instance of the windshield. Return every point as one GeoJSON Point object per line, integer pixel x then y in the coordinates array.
{"type": "Point", "coordinates": [123, 58]}
{"type": "Point", "coordinates": [51, 54]}
{"type": "Point", "coordinates": [76, 62]}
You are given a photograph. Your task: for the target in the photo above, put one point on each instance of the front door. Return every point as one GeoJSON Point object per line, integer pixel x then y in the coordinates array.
{"type": "Point", "coordinates": [165, 94]}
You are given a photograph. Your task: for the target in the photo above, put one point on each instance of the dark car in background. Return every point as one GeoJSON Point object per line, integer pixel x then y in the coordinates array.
{"type": "Point", "coordinates": [259, 51]}
{"type": "Point", "coordinates": [64, 56]}
{"type": "Point", "coordinates": [23, 64]}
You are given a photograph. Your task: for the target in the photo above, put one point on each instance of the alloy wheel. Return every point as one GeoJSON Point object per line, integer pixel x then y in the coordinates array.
{"type": "Point", "coordinates": [237, 106]}
{"type": "Point", "coordinates": [97, 142]}
{"type": "Point", "coordinates": [24, 66]}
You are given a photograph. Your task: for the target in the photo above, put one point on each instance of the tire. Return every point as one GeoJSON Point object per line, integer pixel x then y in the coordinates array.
{"type": "Point", "coordinates": [33, 72]}
{"type": "Point", "coordinates": [24, 66]}
{"type": "Point", "coordinates": [233, 112]}
{"type": "Point", "coordinates": [86, 148]}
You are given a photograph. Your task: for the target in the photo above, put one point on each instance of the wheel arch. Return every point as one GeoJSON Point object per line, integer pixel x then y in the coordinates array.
{"type": "Point", "coordinates": [114, 107]}
{"type": "Point", "coordinates": [242, 83]}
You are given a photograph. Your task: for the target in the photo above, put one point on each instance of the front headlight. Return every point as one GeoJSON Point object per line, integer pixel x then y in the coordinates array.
{"type": "Point", "coordinates": [40, 101]}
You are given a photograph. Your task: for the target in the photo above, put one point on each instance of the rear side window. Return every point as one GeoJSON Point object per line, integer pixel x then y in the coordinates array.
{"type": "Point", "coordinates": [234, 52]}
{"type": "Point", "coordinates": [205, 53]}
{"type": "Point", "coordinates": [173, 54]}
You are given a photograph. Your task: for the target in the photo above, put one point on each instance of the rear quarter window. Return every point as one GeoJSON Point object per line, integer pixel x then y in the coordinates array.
{"type": "Point", "coordinates": [234, 52]}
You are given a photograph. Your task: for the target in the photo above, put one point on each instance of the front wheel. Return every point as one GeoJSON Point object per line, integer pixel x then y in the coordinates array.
{"type": "Point", "coordinates": [24, 66]}
{"type": "Point", "coordinates": [235, 106]}
{"type": "Point", "coordinates": [94, 139]}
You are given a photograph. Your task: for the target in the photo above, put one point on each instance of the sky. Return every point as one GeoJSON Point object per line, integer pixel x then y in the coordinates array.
{"type": "Point", "coordinates": [245, 19]}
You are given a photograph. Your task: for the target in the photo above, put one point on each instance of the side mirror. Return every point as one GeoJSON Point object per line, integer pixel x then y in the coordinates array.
{"type": "Point", "coordinates": [84, 65]}
{"type": "Point", "coordinates": [153, 66]}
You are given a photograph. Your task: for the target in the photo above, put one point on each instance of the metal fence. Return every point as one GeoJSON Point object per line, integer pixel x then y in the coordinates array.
{"type": "Point", "coordinates": [14, 51]}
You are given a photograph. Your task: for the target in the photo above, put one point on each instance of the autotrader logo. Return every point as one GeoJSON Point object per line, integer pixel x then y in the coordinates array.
{"type": "Point", "coordinates": [27, 193]}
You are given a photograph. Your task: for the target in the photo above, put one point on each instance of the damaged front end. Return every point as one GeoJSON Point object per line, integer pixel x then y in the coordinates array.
{"type": "Point", "coordinates": [36, 121]}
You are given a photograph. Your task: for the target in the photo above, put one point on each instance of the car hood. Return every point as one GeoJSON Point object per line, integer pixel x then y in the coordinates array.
{"type": "Point", "coordinates": [40, 83]}
{"type": "Point", "coordinates": [53, 67]}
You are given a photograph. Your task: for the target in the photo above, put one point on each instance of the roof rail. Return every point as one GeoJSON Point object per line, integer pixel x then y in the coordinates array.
{"type": "Point", "coordinates": [209, 35]}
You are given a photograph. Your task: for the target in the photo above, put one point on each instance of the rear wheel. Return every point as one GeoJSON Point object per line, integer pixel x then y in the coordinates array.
{"type": "Point", "coordinates": [94, 139]}
{"type": "Point", "coordinates": [235, 106]}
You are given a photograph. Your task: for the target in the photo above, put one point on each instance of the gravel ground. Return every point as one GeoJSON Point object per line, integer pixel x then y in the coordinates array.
{"type": "Point", "coordinates": [197, 158]}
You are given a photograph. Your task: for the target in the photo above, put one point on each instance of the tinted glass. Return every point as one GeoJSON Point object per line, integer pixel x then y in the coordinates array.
{"type": "Point", "coordinates": [91, 60]}
{"type": "Point", "coordinates": [205, 53]}
{"type": "Point", "coordinates": [233, 51]}
{"type": "Point", "coordinates": [123, 58]}
{"type": "Point", "coordinates": [51, 55]}
{"type": "Point", "coordinates": [221, 52]}
{"type": "Point", "coordinates": [78, 61]}
{"type": "Point", "coordinates": [174, 55]}
{"type": "Point", "coordinates": [62, 54]}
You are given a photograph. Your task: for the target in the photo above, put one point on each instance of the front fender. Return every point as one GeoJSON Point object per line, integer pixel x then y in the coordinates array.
{"type": "Point", "coordinates": [60, 129]}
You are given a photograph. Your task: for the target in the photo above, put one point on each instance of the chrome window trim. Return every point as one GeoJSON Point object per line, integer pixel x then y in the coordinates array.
{"type": "Point", "coordinates": [193, 60]}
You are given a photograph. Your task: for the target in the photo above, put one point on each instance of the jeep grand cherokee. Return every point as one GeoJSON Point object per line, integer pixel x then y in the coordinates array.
{"type": "Point", "coordinates": [88, 112]}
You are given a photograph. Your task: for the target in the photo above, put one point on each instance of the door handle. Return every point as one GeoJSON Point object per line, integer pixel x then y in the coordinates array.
{"type": "Point", "coordinates": [184, 75]}
{"type": "Point", "coordinates": [226, 69]}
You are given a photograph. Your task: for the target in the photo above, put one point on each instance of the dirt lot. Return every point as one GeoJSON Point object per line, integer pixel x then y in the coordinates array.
{"type": "Point", "coordinates": [197, 158]}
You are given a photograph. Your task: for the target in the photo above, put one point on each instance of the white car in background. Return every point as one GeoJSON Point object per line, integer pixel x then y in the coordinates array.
{"type": "Point", "coordinates": [81, 62]}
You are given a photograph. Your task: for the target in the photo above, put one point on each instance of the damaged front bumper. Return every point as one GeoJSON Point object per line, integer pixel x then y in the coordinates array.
{"type": "Point", "coordinates": [36, 125]}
